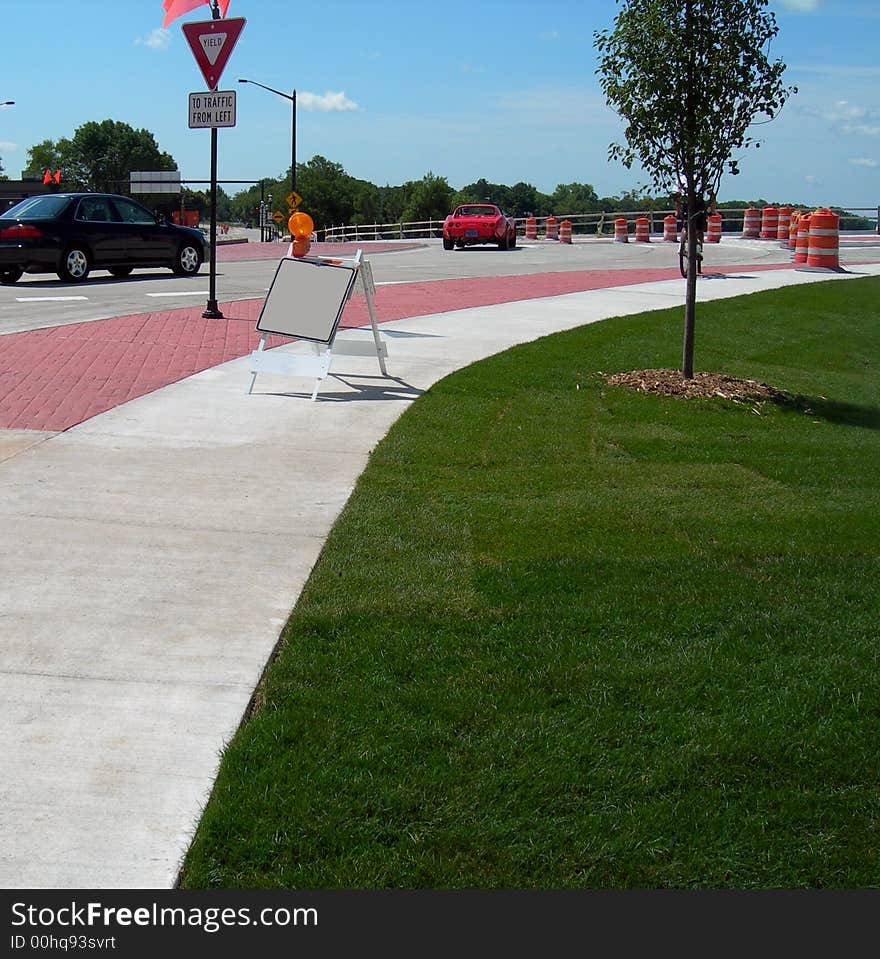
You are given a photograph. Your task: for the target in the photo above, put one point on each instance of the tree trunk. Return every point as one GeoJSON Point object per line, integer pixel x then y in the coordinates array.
{"type": "Point", "coordinates": [690, 123]}
{"type": "Point", "coordinates": [690, 300]}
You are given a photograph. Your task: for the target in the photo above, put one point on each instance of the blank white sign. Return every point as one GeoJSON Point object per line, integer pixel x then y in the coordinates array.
{"type": "Point", "coordinates": [306, 299]}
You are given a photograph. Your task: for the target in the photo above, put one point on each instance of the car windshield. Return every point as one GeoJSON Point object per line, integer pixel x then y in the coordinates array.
{"type": "Point", "coordinates": [478, 211]}
{"type": "Point", "coordinates": [36, 208]}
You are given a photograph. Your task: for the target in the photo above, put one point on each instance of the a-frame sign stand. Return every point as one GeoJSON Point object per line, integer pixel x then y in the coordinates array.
{"type": "Point", "coordinates": [305, 301]}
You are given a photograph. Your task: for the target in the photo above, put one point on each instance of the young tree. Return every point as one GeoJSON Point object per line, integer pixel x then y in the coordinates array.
{"type": "Point", "coordinates": [689, 77]}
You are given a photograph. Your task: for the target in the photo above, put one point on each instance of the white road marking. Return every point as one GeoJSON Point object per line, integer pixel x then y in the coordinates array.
{"type": "Point", "coordinates": [48, 299]}
{"type": "Point", "coordinates": [182, 293]}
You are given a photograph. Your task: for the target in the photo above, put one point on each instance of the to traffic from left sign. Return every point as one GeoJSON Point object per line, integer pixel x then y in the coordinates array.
{"type": "Point", "coordinates": [212, 109]}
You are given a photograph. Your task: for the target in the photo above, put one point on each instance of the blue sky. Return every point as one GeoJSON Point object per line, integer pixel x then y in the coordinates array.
{"type": "Point", "coordinates": [501, 89]}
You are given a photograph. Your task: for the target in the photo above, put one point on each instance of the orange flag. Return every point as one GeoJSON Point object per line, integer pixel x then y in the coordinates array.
{"type": "Point", "coordinates": [177, 8]}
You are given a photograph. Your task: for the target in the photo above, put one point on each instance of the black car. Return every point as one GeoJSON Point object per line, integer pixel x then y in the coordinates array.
{"type": "Point", "coordinates": [73, 233]}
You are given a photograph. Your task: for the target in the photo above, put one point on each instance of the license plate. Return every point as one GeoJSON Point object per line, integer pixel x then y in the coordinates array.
{"type": "Point", "coordinates": [470, 232]}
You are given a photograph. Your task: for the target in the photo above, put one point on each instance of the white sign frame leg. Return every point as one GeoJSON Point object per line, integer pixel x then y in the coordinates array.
{"type": "Point", "coordinates": [318, 365]}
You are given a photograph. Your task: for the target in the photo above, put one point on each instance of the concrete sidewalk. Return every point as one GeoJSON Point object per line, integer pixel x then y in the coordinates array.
{"type": "Point", "coordinates": [150, 556]}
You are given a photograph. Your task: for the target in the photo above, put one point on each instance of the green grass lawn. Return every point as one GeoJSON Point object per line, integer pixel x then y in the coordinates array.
{"type": "Point", "coordinates": [569, 635]}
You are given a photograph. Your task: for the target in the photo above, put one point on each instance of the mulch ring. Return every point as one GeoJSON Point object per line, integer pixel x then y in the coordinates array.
{"type": "Point", "coordinates": [672, 383]}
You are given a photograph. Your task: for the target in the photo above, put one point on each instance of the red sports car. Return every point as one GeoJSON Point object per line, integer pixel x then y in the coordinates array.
{"type": "Point", "coordinates": [479, 223]}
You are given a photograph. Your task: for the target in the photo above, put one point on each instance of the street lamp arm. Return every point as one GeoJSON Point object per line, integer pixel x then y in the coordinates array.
{"type": "Point", "coordinates": [292, 98]}
{"type": "Point", "coordinates": [286, 96]}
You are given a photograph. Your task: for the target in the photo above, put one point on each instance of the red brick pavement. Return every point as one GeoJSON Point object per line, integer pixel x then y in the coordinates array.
{"type": "Point", "coordinates": [52, 379]}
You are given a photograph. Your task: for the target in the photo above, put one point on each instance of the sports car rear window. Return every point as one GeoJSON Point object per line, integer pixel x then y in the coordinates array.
{"type": "Point", "coordinates": [36, 208]}
{"type": "Point", "coordinates": [477, 211]}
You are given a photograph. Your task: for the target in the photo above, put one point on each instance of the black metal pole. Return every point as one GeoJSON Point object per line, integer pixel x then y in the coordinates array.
{"type": "Point", "coordinates": [212, 310]}
{"type": "Point", "coordinates": [293, 146]}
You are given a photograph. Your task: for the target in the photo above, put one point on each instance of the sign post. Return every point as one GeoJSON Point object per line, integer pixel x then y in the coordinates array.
{"type": "Point", "coordinates": [212, 42]}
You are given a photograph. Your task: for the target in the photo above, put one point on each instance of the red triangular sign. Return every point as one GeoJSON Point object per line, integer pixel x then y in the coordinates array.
{"type": "Point", "coordinates": [211, 43]}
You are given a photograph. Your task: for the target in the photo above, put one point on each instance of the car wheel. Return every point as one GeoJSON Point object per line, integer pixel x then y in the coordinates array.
{"type": "Point", "coordinates": [503, 243]}
{"type": "Point", "coordinates": [121, 271]}
{"type": "Point", "coordinates": [448, 244]}
{"type": "Point", "coordinates": [188, 260]}
{"type": "Point", "coordinates": [75, 265]}
{"type": "Point", "coordinates": [511, 245]}
{"type": "Point", "coordinates": [10, 274]}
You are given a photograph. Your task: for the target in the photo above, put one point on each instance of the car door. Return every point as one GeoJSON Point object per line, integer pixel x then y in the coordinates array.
{"type": "Point", "coordinates": [97, 223]}
{"type": "Point", "coordinates": [148, 243]}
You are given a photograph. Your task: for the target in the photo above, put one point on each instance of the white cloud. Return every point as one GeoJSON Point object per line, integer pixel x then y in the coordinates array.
{"type": "Point", "coordinates": [861, 129]}
{"type": "Point", "coordinates": [157, 39]}
{"type": "Point", "coordinates": [5, 146]}
{"type": "Point", "coordinates": [802, 6]}
{"type": "Point", "coordinates": [836, 70]}
{"type": "Point", "coordinates": [326, 102]}
{"type": "Point", "coordinates": [865, 162]}
{"type": "Point", "coordinates": [848, 118]}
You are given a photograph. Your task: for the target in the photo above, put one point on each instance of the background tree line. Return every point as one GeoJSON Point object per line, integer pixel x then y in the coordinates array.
{"type": "Point", "coordinates": [99, 157]}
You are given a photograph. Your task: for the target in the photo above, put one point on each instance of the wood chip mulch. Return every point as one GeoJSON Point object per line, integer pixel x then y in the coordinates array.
{"type": "Point", "coordinates": [672, 383]}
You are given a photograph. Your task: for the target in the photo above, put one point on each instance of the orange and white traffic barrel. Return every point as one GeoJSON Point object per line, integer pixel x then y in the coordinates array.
{"type": "Point", "coordinates": [643, 230]}
{"type": "Point", "coordinates": [769, 222]}
{"type": "Point", "coordinates": [793, 229]}
{"type": "Point", "coordinates": [803, 239]}
{"type": "Point", "coordinates": [670, 229]}
{"type": "Point", "coordinates": [783, 223]}
{"type": "Point", "coordinates": [824, 244]}
{"type": "Point", "coordinates": [751, 223]}
{"type": "Point", "coordinates": [531, 228]}
{"type": "Point", "coordinates": [565, 231]}
{"type": "Point", "coordinates": [713, 232]}
{"type": "Point", "coordinates": [552, 228]}
{"type": "Point", "coordinates": [620, 231]}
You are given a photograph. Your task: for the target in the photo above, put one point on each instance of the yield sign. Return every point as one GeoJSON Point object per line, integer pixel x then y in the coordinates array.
{"type": "Point", "coordinates": [211, 43]}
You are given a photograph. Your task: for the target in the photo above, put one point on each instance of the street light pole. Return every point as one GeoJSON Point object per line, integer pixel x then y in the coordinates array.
{"type": "Point", "coordinates": [292, 98]}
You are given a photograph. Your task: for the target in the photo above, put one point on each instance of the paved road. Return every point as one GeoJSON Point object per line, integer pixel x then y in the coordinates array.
{"type": "Point", "coordinates": [39, 301]}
